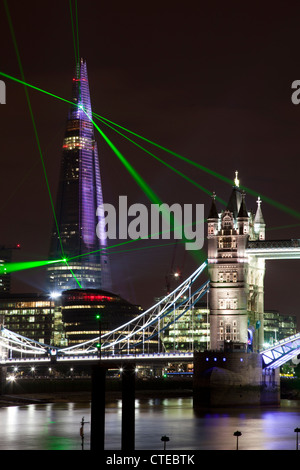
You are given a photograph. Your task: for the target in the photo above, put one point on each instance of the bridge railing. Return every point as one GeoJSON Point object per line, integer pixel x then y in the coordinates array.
{"type": "Point", "coordinates": [281, 352]}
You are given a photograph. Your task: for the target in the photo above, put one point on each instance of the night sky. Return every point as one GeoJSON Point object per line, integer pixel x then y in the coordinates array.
{"type": "Point", "coordinates": [208, 80]}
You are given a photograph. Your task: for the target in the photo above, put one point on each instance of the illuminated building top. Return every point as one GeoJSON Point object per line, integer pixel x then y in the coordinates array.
{"type": "Point", "coordinates": [79, 195]}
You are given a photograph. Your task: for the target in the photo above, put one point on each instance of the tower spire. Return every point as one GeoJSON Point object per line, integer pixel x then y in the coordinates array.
{"type": "Point", "coordinates": [213, 213]}
{"type": "Point", "coordinates": [235, 199]}
{"type": "Point", "coordinates": [259, 223]}
{"type": "Point", "coordinates": [236, 179]}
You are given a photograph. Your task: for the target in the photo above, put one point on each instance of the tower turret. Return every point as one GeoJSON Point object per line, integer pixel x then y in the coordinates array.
{"type": "Point", "coordinates": [213, 217]}
{"type": "Point", "coordinates": [259, 223]}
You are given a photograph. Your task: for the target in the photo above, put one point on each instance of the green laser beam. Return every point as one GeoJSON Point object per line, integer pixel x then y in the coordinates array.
{"type": "Point", "coordinates": [165, 163]}
{"type": "Point", "coordinates": [139, 180]}
{"type": "Point", "coordinates": [73, 33]}
{"type": "Point", "coordinates": [33, 123]}
{"type": "Point", "coordinates": [31, 115]}
{"type": "Point", "coordinates": [7, 268]}
{"type": "Point", "coordinates": [22, 82]}
{"type": "Point", "coordinates": [217, 175]}
{"type": "Point", "coordinates": [12, 267]}
{"type": "Point", "coordinates": [77, 28]}
{"type": "Point", "coordinates": [75, 277]}
{"type": "Point", "coordinates": [264, 198]}
{"type": "Point", "coordinates": [118, 244]}
{"type": "Point", "coordinates": [281, 227]}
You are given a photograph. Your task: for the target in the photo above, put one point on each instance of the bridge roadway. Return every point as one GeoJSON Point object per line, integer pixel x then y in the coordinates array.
{"type": "Point", "coordinates": [273, 357]}
{"type": "Point", "coordinates": [114, 360]}
{"type": "Point", "coordinates": [274, 249]}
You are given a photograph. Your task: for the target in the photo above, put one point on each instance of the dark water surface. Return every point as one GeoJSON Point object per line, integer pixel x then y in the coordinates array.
{"type": "Point", "coordinates": [56, 426]}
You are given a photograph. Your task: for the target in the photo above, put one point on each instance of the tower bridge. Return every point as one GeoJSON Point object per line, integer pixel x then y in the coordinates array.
{"type": "Point", "coordinates": [236, 369]}
{"type": "Point", "coordinates": [237, 252]}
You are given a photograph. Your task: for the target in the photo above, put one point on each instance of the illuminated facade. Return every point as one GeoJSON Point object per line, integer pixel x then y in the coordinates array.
{"type": "Point", "coordinates": [79, 195]}
{"type": "Point", "coordinates": [34, 316]}
{"type": "Point", "coordinates": [278, 327]}
{"type": "Point", "coordinates": [81, 307]}
{"type": "Point", "coordinates": [236, 298]}
{"type": "Point", "coordinates": [190, 332]}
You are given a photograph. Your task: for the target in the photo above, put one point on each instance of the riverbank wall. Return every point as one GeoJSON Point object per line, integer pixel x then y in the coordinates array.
{"type": "Point", "coordinates": [24, 390]}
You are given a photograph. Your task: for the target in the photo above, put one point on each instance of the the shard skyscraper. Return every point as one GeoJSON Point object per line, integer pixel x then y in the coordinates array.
{"type": "Point", "coordinates": [74, 235]}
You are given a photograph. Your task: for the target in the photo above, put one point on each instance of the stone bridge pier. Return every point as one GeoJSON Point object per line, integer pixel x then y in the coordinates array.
{"type": "Point", "coordinates": [233, 379]}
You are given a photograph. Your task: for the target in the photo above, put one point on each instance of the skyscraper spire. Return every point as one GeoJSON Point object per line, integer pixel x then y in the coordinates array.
{"type": "Point", "coordinates": [79, 194]}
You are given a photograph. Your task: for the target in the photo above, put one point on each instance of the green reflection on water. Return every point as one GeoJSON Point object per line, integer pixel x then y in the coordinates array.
{"type": "Point", "coordinates": [59, 443]}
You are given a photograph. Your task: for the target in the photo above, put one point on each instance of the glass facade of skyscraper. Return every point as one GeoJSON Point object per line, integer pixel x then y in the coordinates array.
{"type": "Point", "coordinates": [74, 235]}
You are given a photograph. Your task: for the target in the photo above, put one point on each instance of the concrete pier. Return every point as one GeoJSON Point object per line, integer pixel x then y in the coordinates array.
{"type": "Point", "coordinates": [233, 379]}
{"type": "Point", "coordinates": [98, 405]}
{"type": "Point", "coordinates": [3, 374]}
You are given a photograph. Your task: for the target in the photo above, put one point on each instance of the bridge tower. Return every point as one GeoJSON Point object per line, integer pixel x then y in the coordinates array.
{"type": "Point", "coordinates": [236, 279]}
{"type": "Point", "coordinates": [231, 373]}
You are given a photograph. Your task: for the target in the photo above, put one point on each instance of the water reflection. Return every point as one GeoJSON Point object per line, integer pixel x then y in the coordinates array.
{"type": "Point", "coordinates": [271, 429]}
{"type": "Point", "coordinates": [42, 427]}
{"type": "Point", "coordinates": [57, 426]}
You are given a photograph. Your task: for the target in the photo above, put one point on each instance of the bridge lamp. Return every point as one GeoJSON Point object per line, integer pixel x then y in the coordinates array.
{"type": "Point", "coordinates": [165, 439]}
{"type": "Point", "coordinates": [237, 434]}
{"type": "Point", "coordinates": [98, 345]}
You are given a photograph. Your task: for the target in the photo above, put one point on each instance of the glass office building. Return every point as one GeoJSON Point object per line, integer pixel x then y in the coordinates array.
{"type": "Point", "coordinates": [278, 327]}
{"type": "Point", "coordinates": [80, 309]}
{"type": "Point", "coordinates": [34, 316]}
{"type": "Point", "coordinates": [190, 332]}
{"type": "Point", "coordinates": [74, 236]}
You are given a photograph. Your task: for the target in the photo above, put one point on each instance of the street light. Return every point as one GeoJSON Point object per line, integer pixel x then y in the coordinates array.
{"type": "Point", "coordinates": [165, 439]}
{"type": "Point", "coordinates": [237, 434]}
{"type": "Point", "coordinates": [98, 345]}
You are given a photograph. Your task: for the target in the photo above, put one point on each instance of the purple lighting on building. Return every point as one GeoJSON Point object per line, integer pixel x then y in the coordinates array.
{"type": "Point", "coordinates": [79, 195]}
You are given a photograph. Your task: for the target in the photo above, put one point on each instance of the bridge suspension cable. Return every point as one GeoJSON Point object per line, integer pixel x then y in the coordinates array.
{"type": "Point", "coordinates": [14, 342]}
{"type": "Point", "coordinates": [133, 334]}
{"type": "Point", "coordinates": [143, 328]}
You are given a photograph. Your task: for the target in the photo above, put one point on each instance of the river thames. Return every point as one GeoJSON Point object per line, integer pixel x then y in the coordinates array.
{"type": "Point", "coordinates": [56, 426]}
